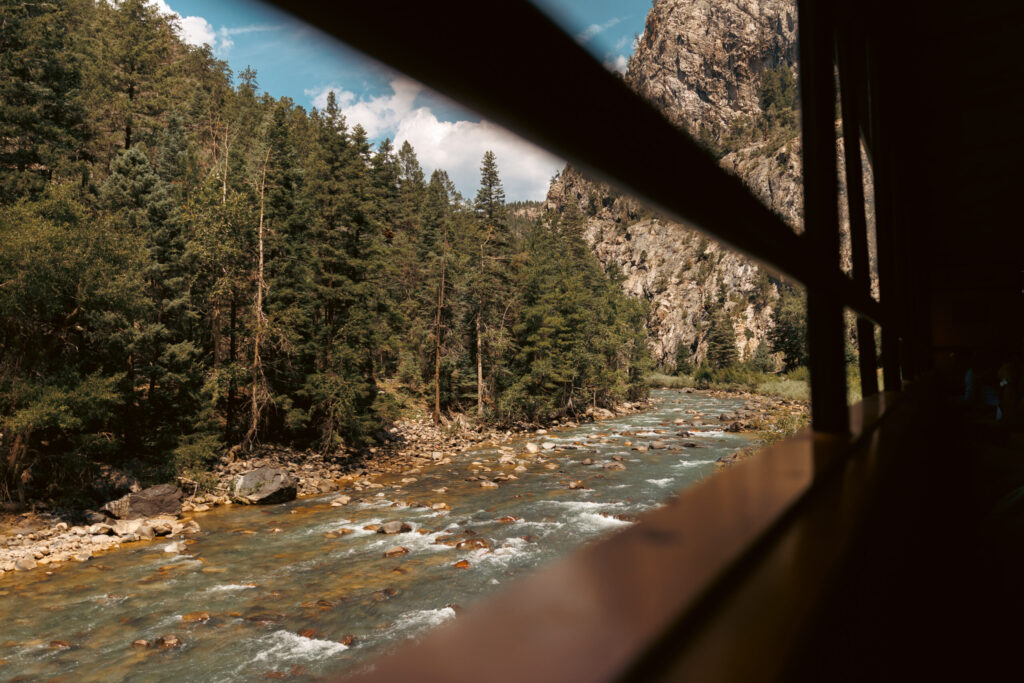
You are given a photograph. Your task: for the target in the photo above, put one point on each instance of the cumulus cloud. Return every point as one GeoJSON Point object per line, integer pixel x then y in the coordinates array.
{"type": "Point", "coordinates": [198, 31]}
{"type": "Point", "coordinates": [455, 146]}
{"type": "Point", "coordinates": [589, 32]}
{"type": "Point", "coordinates": [617, 64]}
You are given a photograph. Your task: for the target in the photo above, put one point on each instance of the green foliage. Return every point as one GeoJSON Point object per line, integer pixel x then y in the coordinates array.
{"type": "Point", "coordinates": [789, 333]}
{"type": "Point", "coordinates": [777, 122]}
{"type": "Point", "coordinates": [189, 265]}
{"type": "Point", "coordinates": [761, 360]}
{"type": "Point", "coordinates": [578, 340]}
{"type": "Point", "coordinates": [683, 364]}
{"type": "Point", "coordinates": [722, 352]}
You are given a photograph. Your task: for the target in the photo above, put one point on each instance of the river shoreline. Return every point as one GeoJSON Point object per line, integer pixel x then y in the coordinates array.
{"type": "Point", "coordinates": [45, 542]}
{"type": "Point", "coordinates": [267, 588]}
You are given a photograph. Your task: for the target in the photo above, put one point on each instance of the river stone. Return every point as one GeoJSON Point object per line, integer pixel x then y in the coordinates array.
{"type": "Point", "coordinates": [167, 642]}
{"type": "Point", "coordinates": [265, 486]}
{"type": "Point", "coordinates": [164, 499]}
{"type": "Point", "coordinates": [547, 445]}
{"type": "Point", "coordinates": [394, 527]}
{"type": "Point", "coordinates": [396, 551]}
{"type": "Point", "coordinates": [657, 445]}
{"type": "Point", "coordinates": [532, 448]}
{"type": "Point", "coordinates": [24, 564]}
{"type": "Point", "coordinates": [123, 527]}
{"type": "Point", "coordinates": [617, 466]}
{"type": "Point", "coordinates": [488, 485]}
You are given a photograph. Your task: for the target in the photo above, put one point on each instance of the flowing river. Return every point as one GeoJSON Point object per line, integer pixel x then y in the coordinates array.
{"type": "Point", "coordinates": [284, 585]}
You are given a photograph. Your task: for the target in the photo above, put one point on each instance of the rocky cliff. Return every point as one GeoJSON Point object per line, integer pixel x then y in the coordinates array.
{"type": "Point", "coordinates": [704, 64]}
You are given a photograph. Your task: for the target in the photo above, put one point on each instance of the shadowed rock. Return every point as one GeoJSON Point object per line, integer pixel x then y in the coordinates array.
{"type": "Point", "coordinates": [265, 486]}
{"type": "Point", "coordinates": [164, 499]}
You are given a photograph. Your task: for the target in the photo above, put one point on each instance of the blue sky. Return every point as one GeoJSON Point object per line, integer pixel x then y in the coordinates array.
{"type": "Point", "coordinates": [294, 60]}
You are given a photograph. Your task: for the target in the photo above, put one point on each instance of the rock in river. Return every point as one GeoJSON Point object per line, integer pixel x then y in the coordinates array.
{"type": "Point", "coordinates": [396, 551]}
{"type": "Point", "coordinates": [394, 527]}
{"type": "Point", "coordinates": [265, 486]}
{"type": "Point", "coordinates": [164, 499]}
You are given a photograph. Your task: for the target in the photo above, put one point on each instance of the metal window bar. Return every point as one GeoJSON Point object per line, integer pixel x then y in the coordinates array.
{"type": "Point", "coordinates": [884, 223]}
{"type": "Point", "coordinates": [821, 214]}
{"type": "Point", "coordinates": [579, 111]}
{"type": "Point", "coordinates": [851, 86]}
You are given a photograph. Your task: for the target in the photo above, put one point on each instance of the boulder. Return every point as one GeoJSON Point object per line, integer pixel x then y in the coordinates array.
{"type": "Point", "coordinates": [164, 499]}
{"type": "Point", "coordinates": [168, 642]}
{"type": "Point", "coordinates": [123, 527]}
{"type": "Point", "coordinates": [396, 551]}
{"type": "Point", "coordinates": [25, 564]}
{"type": "Point", "coordinates": [657, 445]}
{"type": "Point", "coordinates": [264, 486]}
{"type": "Point", "coordinates": [161, 526]}
{"type": "Point", "coordinates": [532, 448]}
{"type": "Point", "coordinates": [175, 547]}
{"type": "Point", "coordinates": [394, 527]}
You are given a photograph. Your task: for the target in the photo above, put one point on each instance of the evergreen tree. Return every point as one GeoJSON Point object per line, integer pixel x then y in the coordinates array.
{"type": "Point", "coordinates": [789, 332]}
{"type": "Point", "coordinates": [722, 351]}
{"type": "Point", "coordinates": [189, 265]}
{"type": "Point", "coordinates": [41, 119]}
{"type": "Point", "coordinates": [491, 278]}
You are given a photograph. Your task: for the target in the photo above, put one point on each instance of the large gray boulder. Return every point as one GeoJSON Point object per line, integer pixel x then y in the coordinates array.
{"type": "Point", "coordinates": [265, 486]}
{"type": "Point", "coordinates": [164, 499]}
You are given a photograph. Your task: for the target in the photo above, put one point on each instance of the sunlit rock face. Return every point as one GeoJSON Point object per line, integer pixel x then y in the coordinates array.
{"type": "Point", "coordinates": [701, 63]}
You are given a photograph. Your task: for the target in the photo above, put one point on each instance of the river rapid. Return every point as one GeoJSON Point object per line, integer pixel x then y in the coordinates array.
{"type": "Point", "coordinates": [282, 586]}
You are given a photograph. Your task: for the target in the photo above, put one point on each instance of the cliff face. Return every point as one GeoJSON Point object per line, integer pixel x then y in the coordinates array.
{"type": "Point", "coordinates": [701, 62]}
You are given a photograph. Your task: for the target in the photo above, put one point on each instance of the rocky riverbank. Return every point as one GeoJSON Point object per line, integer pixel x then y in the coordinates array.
{"type": "Point", "coordinates": [40, 539]}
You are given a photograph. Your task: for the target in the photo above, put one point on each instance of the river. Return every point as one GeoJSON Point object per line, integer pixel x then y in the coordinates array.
{"type": "Point", "coordinates": [283, 585]}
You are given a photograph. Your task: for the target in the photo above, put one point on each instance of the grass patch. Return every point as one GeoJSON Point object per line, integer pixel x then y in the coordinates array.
{"type": "Point", "coordinates": [783, 387]}
{"type": "Point", "coordinates": [657, 380]}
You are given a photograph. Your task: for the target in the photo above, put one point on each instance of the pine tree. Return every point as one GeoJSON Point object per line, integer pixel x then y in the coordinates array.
{"type": "Point", "coordinates": [493, 262]}
{"type": "Point", "coordinates": [789, 332]}
{"type": "Point", "coordinates": [41, 119]}
{"type": "Point", "coordinates": [722, 351]}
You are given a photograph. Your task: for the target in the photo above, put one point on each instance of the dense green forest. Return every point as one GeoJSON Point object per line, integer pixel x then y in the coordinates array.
{"type": "Point", "coordinates": [187, 264]}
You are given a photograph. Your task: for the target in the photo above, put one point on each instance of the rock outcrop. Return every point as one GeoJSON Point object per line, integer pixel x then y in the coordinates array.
{"type": "Point", "coordinates": [265, 486]}
{"type": "Point", "coordinates": [701, 62]}
{"type": "Point", "coordinates": [164, 499]}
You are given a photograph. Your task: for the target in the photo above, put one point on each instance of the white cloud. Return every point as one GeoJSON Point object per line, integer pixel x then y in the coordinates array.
{"type": "Point", "coordinates": [198, 31]}
{"type": "Point", "coordinates": [618, 64]}
{"type": "Point", "coordinates": [589, 32]}
{"type": "Point", "coordinates": [455, 146]}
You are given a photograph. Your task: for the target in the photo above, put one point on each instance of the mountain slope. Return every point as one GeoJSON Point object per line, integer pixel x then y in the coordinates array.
{"type": "Point", "coordinates": [725, 72]}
